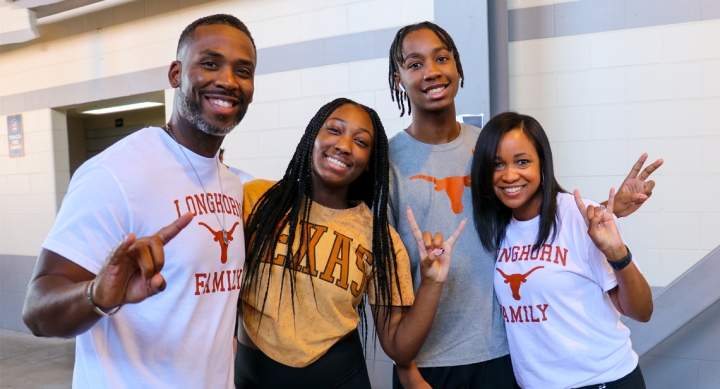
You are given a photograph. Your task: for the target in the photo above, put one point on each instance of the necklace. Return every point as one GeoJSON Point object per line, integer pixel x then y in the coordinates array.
{"type": "Point", "coordinates": [217, 165]}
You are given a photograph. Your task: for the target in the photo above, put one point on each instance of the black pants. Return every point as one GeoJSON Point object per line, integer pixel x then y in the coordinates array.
{"type": "Point", "coordinates": [493, 374]}
{"type": "Point", "coordinates": [634, 380]}
{"type": "Point", "coordinates": [343, 366]}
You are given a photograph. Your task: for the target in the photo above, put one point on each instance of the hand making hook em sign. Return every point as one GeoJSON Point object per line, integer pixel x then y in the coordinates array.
{"type": "Point", "coordinates": [434, 253]}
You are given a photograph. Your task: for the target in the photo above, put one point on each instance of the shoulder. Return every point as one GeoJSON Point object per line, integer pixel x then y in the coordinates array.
{"type": "Point", "coordinates": [256, 188]}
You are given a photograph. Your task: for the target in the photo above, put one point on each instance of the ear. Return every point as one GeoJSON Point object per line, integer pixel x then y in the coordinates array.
{"type": "Point", "coordinates": [174, 73]}
{"type": "Point", "coordinates": [398, 82]}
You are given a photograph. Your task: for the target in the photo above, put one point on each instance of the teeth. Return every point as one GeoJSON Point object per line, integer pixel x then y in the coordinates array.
{"type": "Point", "coordinates": [336, 162]}
{"type": "Point", "coordinates": [514, 189]}
{"type": "Point", "coordinates": [221, 103]}
{"type": "Point", "coordinates": [436, 90]}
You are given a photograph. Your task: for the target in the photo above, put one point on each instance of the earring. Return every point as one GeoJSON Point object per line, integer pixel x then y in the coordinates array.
{"type": "Point", "coordinates": [402, 88]}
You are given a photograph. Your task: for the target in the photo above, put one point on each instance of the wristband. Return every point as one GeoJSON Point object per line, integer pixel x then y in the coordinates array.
{"type": "Point", "coordinates": [95, 307]}
{"type": "Point", "coordinates": [621, 264]}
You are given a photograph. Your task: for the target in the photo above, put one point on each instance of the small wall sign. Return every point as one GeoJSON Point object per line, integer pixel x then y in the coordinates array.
{"type": "Point", "coordinates": [16, 143]}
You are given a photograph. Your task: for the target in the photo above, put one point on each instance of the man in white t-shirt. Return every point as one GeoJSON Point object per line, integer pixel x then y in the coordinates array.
{"type": "Point", "coordinates": [143, 263]}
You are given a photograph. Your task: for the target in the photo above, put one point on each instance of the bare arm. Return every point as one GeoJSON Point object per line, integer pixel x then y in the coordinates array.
{"type": "Point", "coordinates": [404, 332]}
{"type": "Point", "coordinates": [56, 302]}
{"type": "Point", "coordinates": [632, 296]}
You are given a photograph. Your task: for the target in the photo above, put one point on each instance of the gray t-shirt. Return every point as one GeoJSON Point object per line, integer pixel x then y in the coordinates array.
{"type": "Point", "coordinates": [434, 180]}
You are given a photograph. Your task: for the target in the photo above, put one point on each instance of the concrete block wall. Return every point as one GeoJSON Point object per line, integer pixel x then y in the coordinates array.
{"type": "Point", "coordinates": [31, 190]}
{"type": "Point", "coordinates": [606, 97]}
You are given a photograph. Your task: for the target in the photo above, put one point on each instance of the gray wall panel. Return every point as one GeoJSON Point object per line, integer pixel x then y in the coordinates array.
{"type": "Point", "coordinates": [13, 103]}
{"type": "Point", "coordinates": [582, 17]}
{"type": "Point", "coordinates": [290, 57]}
{"type": "Point", "coordinates": [644, 13]}
{"type": "Point", "coordinates": [710, 9]}
{"type": "Point", "coordinates": [15, 273]}
{"type": "Point", "coordinates": [588, 16]}
{"type": "Point", "coordinates": [531, 23]}
{"type": "Point", "coordinates": [349, 48]}
{"type": "Point", "coordinates": [466, 22]}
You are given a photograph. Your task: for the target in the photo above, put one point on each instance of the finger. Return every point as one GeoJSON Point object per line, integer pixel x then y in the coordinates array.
{"type": "Point", "coordinates": [120, 251]}
{"type": "Point", "coordinates": [438, 241]}
{"type": "Point", "coordinates": [171, 231]}
{"type": "Point", "coordinates": [157, 253]}
{"type": "Point", "coordinates": [454, 237]}
{"type": "Point", "coordinates": [415, 229]}
{"type": "Point", "coordinates": [649, 186]}
{"type": "Point", "coordinates": [638, 198]}
{"type": "Point", "coordinates": [581, 206]}
{"type": "Point", "coordinates": [637, 166]}
{"type": "Point", "coordinates": [141, 253]}
{"type": "Point", "coordinates": [427, 241]}
{"type": "Point", "coordinates": [157, 284]}
{"type": "Point", "coordinates": [650, 169]}
{"type": "Point", "coordinates": [611, 201]}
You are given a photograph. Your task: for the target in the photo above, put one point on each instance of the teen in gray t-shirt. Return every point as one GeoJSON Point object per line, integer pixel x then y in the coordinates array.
{"type": "Point", "coordinates": [434, 180]}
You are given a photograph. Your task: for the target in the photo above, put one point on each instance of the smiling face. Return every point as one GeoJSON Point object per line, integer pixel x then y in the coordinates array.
{"type": "Point", "coordinates": [215, 78]}
{"type": "Point", "coordinates": [429, 72]}
{"type": "Point", "coordinates": [342, 150]}
{"type": "Point", "coordinates": [517, 178]}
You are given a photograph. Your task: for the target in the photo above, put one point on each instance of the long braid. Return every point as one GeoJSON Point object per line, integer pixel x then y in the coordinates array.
{"type": "Point", "coordinates": [286, 205]}
{"type": "Point", "coordinates": [396, 60]}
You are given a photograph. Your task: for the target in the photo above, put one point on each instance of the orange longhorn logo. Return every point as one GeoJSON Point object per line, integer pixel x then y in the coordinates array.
{"type": "Point", "coordinates": [453, 186]}
{"type": "Point", "coordinates": [516, 279]}
{"type": "Point", "coordinates": [219, 238]}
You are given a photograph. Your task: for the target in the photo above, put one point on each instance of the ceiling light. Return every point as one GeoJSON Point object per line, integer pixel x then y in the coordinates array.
{"type": "Point", "coordinates": [120, 108]}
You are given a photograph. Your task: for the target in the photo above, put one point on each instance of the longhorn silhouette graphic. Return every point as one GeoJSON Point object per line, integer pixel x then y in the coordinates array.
{"type": "Point", "coordinates": [516, 279]}
{"type": "Point", "coordinates": [453, 187]}
{"type": "Point", "coordinates": [219, 238]}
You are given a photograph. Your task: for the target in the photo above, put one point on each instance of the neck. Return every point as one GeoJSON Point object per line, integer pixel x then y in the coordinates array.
{"type": "Point", "coordinates": [335, 198]}
{"type": "Point", "coordinates": [193, 139]}
{"type": "Point", "coordinates": [433, 127]}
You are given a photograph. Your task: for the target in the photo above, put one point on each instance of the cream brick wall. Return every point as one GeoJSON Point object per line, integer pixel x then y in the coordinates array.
{"type": "Point", "coordinates": [127, 42]}
{"type": "Point", "coordinates": [605, 98]}
{"type": "Point", "coordinates": [143, 35]}
{"type": "Point", "coordinates": [32, 187]}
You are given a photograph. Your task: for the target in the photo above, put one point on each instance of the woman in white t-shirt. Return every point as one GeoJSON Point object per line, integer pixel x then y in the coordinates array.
{"type": "Point", "coordinates": [563, 274]}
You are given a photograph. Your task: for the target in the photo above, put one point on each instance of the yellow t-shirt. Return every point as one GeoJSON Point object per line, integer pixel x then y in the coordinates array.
{"type": "Point", "coordinates": [338, 269]}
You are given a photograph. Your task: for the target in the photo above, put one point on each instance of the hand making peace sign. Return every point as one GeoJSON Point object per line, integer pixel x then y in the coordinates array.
{"type": "Point", "coordinates": [635, 190]}
{"type": "Point", "coordinates": [434, 253]}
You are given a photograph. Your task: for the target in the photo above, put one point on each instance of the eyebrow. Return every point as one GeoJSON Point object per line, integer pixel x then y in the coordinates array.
{"type": "Point", "coordinates": [514, 156]}
{"type": "Point", "coordinates": [360, 128]}
{"type": "Point", "coordinates": [215, 54]}
{"type": "Point", "coordinates": [415, 55]}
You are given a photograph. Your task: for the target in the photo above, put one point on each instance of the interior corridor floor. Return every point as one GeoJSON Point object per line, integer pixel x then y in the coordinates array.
{"type": "Point", "coordinates": [37, 363]}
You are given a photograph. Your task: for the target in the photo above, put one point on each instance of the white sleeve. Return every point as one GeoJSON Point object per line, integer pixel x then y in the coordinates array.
{"type": "Point", "coordinates": [93, 219]}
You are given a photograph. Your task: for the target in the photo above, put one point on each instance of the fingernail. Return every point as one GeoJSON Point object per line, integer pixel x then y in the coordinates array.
{"type": "Point", "coordinates": [440, 252]}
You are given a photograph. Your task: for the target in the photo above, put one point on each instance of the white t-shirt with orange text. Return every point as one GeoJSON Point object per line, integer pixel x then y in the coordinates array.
{"type": "Point", "coordinates": [562, 327]}
{"type": "Point", "coordinates": [182, 337]}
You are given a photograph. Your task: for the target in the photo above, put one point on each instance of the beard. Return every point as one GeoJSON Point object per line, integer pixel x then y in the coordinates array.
{"type": "Point", "coordinates": [192, 112]}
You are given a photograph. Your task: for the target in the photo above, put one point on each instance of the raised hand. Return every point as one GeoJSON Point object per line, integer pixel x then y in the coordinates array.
{"type": "Point", "coordinates": [131, 273]}
{"type": "Point", "coordinates": [636, 189]}
{"type": "Point", "coordinates": [434, 252]}
{"type": "Point", "coordinates": [602, 227]}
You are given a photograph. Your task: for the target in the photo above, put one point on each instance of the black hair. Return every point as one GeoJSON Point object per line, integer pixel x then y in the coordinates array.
{"type": "Point", "coordinates": [186, 36]}
{"type": "Point", "coordinates": [491, 215]}
{"type": "Point", "coordinates": [286, 205]}
{"type": "Point", "coordinates": [396, 59]}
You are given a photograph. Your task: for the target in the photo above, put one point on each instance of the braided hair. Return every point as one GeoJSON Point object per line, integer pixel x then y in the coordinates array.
{"type": "Point", "coordinates": [396, 59]}
{"type": "Point", "coordinates": [287, 204]}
